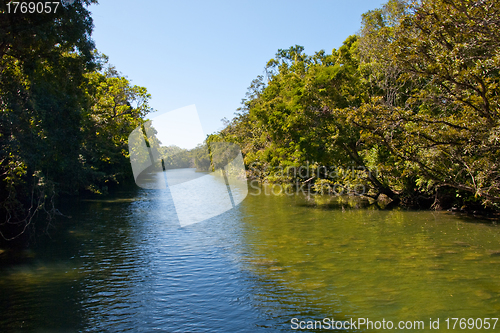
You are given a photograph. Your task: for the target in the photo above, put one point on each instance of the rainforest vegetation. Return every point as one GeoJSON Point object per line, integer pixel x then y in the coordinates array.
{"type": "Point", "coordinates": [65, 115]}
{"type": "Point", "coordinates": [410, 103]}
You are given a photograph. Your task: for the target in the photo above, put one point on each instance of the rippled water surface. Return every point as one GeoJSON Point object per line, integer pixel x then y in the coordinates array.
{"type": "Point", "coordinates": [123, 263]}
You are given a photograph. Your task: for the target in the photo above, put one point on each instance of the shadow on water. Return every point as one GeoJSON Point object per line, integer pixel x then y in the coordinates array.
{"type": "Point", "coordinates": [44, 287]}
{"type": "Point", "coordinates": [123, 262]}
{"type": "Point", "coordinates": [330, 202]}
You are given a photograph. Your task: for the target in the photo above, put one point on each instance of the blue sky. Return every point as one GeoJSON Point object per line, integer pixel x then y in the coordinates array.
{"type": "Point", "coordinates": [207, 52]}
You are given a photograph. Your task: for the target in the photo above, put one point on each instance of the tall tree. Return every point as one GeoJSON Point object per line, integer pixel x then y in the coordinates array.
{"type": "Point", "coordinates": [115, 108]}
{"type": "Point", "coordinates": [43, 59]}
{"type": "Point", "coordinates": [451, 48]}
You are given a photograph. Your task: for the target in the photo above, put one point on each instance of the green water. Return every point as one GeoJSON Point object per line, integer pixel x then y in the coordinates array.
{"type": "Point", "coordinates": [397, 265]}
{"type": "Point", "coordinates": [123, 263]}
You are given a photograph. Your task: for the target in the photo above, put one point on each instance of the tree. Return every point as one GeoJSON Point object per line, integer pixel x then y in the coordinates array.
{"type": "Point", "coordinates": [451, 49]}
{"type": "Point", "coordinates": [65, 115]}
{"type": "Point", "coordinates": [42, 62]}
{"type": "Point", "coordinates": [413, 100]}
{"type": "Point", "coordinates": [114, 109]}
{"type": "Point", "coordinates": [302, 115]}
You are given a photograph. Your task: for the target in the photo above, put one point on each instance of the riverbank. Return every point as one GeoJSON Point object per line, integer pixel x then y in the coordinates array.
{"type": "Point", "coordinates": [357, 187]}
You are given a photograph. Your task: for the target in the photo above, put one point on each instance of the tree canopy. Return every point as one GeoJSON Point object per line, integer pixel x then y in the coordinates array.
{"type": "Point", "coordinates": [65, 115]}
{"type": "Point", "coordinates": [407, 108]}
{"type": "Point", "coordinates": [412, 101]}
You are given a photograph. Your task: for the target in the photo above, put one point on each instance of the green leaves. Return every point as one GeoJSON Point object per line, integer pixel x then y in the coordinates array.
{"type": "Point", "coordinates": [114, 108]}
{"type": "Point", "coordinates": [63, 125]}
{"type": "Point", "coordinates": [414, 96]}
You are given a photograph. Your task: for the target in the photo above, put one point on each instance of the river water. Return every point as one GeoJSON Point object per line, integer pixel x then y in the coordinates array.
{"type": "Point", "coordinates": [124, 263]}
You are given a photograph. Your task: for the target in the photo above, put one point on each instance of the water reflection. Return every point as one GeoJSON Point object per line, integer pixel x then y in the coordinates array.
{"type": "Point", "coordinates": [124, 264]}
{"type": "Point", "coordinates": [380, 264]}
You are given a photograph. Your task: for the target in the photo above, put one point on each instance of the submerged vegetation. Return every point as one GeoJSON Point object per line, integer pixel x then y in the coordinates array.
{"type": "Point", "coordinates": [410, 103]}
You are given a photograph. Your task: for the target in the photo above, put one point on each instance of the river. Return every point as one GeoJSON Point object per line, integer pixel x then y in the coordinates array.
{"type": "Point", "coordinates": [124, 263]}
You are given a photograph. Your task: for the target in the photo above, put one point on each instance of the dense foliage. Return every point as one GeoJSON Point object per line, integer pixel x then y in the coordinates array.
{"type": "Point", "coordinates": [176, 158]}
{"type": "Point", "coordinates": [407, 108]}
{"type": "Point", "coordinates": [65, 115]}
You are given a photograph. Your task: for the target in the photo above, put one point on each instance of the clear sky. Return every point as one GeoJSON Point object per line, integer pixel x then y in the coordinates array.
{"type": "Point", "coordinates": [207, 52]}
